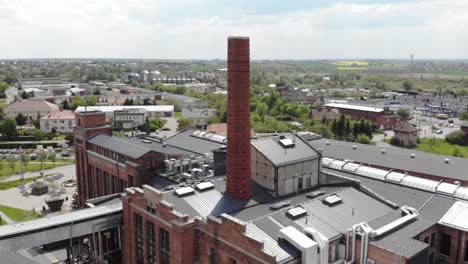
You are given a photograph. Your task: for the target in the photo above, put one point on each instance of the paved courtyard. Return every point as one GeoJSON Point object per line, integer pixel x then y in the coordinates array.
{"type": "Point", "coordinates": [14, 198]}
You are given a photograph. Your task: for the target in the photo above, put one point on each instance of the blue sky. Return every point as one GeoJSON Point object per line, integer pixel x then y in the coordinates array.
{"type": "Point", "coordinates": [181, 29]}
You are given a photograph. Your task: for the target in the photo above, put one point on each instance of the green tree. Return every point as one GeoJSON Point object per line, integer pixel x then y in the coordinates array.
{"type": "Point", "coordinates": [8, 128]}
{"type": "Point", "coordinates": [407, 85]}
{"type": "Point", "coordinates": [457, 152]}
{"type": "Point", "coordinates": [356, 129]}
{"type": "Point", "coordinates": [456, 137]}
{"type": "Point", "coordinates": [156, 124]}
{"type": "Point", "coordinates": [26, 159]}
{"type": "Point", "coordinates": [41, 156]}
{"type": "Point", "coordinates": [12, 161]}
{"type": "Point", "coordinates": [340, 127]}
{"type": "Point", "coordinates": [24, 95]}
{"type": "Point", "coordinates": [403, 112]}
{"type": "Point", "coordinates": [464, 116]}
{"type": "Point", "coordinates": [38, 134]}
{"type": "Point", "coordinates": [183, 123]}
{"type": "Point", "coordinates": [261, 109]}
{"type": "Point", "coordinates": [53, 157]}
{"type": "Point", "coordinates": [21, 119]}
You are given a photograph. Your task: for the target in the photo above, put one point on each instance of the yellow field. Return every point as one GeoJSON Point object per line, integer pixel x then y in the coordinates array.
{"type": "Point", "coordinates": [349, 63]}
{"type": "Point", "coordinates": [351, 68]}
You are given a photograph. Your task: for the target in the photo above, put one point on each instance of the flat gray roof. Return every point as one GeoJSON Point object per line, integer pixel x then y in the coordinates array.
{"type": "Point", "coordinates": [397, 158]}
{"type": "Point", "coordinates": [184, 140]}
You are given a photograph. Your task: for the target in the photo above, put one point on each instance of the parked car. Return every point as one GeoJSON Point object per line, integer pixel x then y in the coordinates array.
{"type": "Point", "coordinates": [439, 131]}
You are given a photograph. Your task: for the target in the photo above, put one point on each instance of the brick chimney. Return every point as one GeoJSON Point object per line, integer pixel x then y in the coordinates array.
{"type": "Point", "coordinates": [238, 182]}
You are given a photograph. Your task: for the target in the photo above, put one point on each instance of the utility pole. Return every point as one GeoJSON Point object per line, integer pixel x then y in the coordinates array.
{"type": "Point", "coordinates": [21, 163]}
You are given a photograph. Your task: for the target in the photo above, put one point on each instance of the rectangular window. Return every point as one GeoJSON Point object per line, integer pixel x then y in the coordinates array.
{"type": "Point", "coordinates": [433, 238]}
{"type": "Point", "coordinates": [213, 256]}
{"type": "Point", "coordinates": [164, 242]}
{"type": "Point", "coordinates": [139, 239]}
{"type": "Point", "coordinates": [445, 244]}
{"type": "Point", "coordinates": [99, 182]}
{"type": "Point", "coordinates": [466, 251]}
{"type": "Point", "coordinates": [106, 183]}
{"type": "Point", "coordinates": [232, 261]}
{"type": "Point", "coordinates": [151, 245]}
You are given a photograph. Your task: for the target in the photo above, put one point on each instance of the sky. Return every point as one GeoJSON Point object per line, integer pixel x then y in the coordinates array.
{"type": "Point", "coordinates": [182, 29]}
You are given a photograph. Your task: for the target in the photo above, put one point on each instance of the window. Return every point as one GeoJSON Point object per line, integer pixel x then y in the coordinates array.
{"type": "Point", "coordinates": [139, 239]}
{"type": "Point", "coordinates": [433, 238]}
{"type": "Point", "coordinates": [213, 256]}
{"type": "Point", "coordinates": [151, 245]}
{"type": "Point", "coordinates": [164, 242]}
{"type": "Point", "coordinates": [232, 261]}
{"type": "Point", "coordinates": [445, 244]}
{"type": "Point", "coordinates": [466, 251]}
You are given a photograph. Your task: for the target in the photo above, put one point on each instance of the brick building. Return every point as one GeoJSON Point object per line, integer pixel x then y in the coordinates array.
{"type": "Point", "coordinates": [383, 116]}
{"type": "Point", "coordinates": [406, 134]}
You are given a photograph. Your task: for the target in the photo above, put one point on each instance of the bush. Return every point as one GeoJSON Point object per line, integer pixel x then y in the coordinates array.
{"type": "Point", "coordinates": [363, 139]}
{"type": "Point", "coordinates": [457, 137]}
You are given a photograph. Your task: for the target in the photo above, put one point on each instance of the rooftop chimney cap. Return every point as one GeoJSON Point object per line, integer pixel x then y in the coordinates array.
{"type": "Point", "coordinates": [328, 143]}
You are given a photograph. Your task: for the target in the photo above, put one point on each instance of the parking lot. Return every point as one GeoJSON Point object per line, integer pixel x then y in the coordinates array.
{"type": "Point", "coordinates": [432, 127]}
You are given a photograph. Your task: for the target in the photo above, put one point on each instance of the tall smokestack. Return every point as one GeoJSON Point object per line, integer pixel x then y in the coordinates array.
{"type": "Point", "coordinates": [238, 183]}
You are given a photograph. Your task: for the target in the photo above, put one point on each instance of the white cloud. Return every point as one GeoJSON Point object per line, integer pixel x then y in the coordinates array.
{"type": "Point", "coordinates": [121, 28]}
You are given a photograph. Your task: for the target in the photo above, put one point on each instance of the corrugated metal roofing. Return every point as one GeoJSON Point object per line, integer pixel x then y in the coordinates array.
{"type": "Point", "coordinates": [426, 163]}
{"type": "Point", "coordinates": [271, 246]}
{"type": "Point", "coordinates": [278, 155]}
{"type": "Point", "coordinates": [184, 140]}
{"type": "Point", "coordinates": [420, 183]}
{"type": "Point", "coordinates": [372, 172]}
{"type": "Point", "coordinates": [456, 217]}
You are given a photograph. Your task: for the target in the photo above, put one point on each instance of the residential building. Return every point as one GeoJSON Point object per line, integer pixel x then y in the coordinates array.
{"type": "Point", "coordinates": [30, 109]}
{"type": "Point", "coordinates": [130, 118]}
{"type": "Point", "coordinates": [297, 95]}
{"type": "Point", "coordinates": [60, 121]}
{"type": "Point", "coordinates": [406, 134]}
{"type": "Point", "coordinates": [198, 116]}
{"type": "Point", "coordinates": [200, 87]}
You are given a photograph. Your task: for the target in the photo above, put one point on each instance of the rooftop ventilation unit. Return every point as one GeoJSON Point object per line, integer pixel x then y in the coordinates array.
{"type": "Point", "coordinates": [413, 155]}
{"type": "Point", "coordinates": [447, 161]}
{"type": "Point", "coordinates": [296, 212]}
{"type": "Point", "coordinates": [328, 143]}
{"type": "Point", "coordinates": [332, 200]}
{"type": "Point", "coordinates": [204, 186]}
{"type": "Point", "coordinates": [279, 205]}
{"type": "Point", "coordinates": [315, 194]}
{"type": "Point", "coordinates": [383, 151]}
{"type": "Point", "coordinates": [354, 146]}
{"type": "Point", "coordinates": [183, 191]}
{"type": "Point", "coordinates": [286, 143]}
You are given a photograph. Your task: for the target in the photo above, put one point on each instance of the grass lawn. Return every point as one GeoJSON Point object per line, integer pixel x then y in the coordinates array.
{"type": "Point", "coordinates": [18, 215]}
{"type": "Point", "coordinates": [12, 184]}
{"type": "Point", "coordinates": [177, 114]}
{"type": "Point", "coordinates": [3, 222]}
{"type": "Point", "coordinates": [5, 169]}
{"type": "Point", "coordinates": [438, 146]}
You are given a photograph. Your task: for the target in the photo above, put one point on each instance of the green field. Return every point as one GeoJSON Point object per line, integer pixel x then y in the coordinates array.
{"type": "Point", "coordinates": [438, 146]}
{"type": "Point", "coordinates": [5, 169]}
{"type": "Point", "coordinates": [18, 215]}
{"type": "Point", "coordinates": [13, 184]}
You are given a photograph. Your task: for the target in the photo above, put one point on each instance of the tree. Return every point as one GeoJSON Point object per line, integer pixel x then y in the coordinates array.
{"type": "Point", "coordinates": [363, 139]}
{"type": "Point", "coordinates": [24, 95]}
{"type": "Point", "coordinates": [407, 85]}
{"type": "Point", "coordinates": [12, 161]}
{"type": "Point", "coordinates": [21, 119]}
{"type": "Point", "coordinates": [4, 176]}
{"type": "Point", "coordinates": [464, 116]}
{"type": "Point", "coordinates": [26, 159]}
{"type": "Point", "coordinates": [53, 157]}
{"type": "Point", "coordinates": [38, 134]}
{"type": "Point", "coordinates": [340, 127]}
{"type": "Point", "coordinates": [41, 156]}
{"type": "Point", "coordinates": [155, 124]}
{"type": "Point", "coordinates": [37, 121]}
{"type": "Point", "coordinates": [8, 128]}
{"type": "Point", "coordinates": [261, 109]}
{"type": "Point", "coordinates": [65, 105]}
{"type": "Point", "coordinates": [457, 152]}
{"type": "Point", "coordinates": [183, 123]}
{"type": "Point", "coordinates": [146, 101]}
{"type": "Point", "coordinates": [457, 138]}
{"type": "Point", "coordinates": [403, 112]}
{"type": "Point", "coordinates": [356, 129]}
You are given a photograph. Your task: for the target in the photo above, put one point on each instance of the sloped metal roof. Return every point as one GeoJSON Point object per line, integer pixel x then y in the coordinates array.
{"type": "Point", "coordinates": [279, 155]}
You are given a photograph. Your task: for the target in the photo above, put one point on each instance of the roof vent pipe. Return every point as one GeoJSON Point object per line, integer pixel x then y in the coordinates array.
{"type": "Point", "coordinates": [328, 143]}
{"type": "Point", "coordinates": [413, 155]}
{"type": "Point", "coordinates": [354, 146]}
{"type": "Point", "coordinates": [383, 151]}
{"type": "Point", "coordinates": [447, 161]}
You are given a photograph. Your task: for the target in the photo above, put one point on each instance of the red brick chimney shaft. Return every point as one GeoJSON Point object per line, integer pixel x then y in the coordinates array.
{"type": "Point", "coordinates": [238, 182]}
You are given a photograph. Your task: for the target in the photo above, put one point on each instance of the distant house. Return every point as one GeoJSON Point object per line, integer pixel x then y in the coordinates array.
{"type": "Point", "coordinates": [30, 109]}
{"type": "Point", "coordinates": [321, 113]}
{"type": "Point", "coordinates": [221, 129]}
{"type": "Point", "coordinates": [128, 119]}
{"type": "Point", "coordinates": [61, 121]}
{"type": "Point", "coordinates": [198, 116]}
{"type": "Point", "coordinates": [406, 133]}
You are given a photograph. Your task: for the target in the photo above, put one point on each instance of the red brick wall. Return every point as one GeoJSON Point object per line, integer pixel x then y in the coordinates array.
{"type": "Point", "coordinates": [378, 254]}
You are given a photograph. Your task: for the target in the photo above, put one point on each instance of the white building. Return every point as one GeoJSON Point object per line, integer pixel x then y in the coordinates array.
{"type": "Point", "coordinates": [30, 109]}
{"type": "Point", "coordinates": [198, 116]}
{"type": "Point", "coordinates": [129, 119]}
{"type": "Point", "coordinates": [201, 87]}
{"type": "Point", "coordinates": [152, 110]}
{"type": "Point", "coordinates": [61, 121]}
